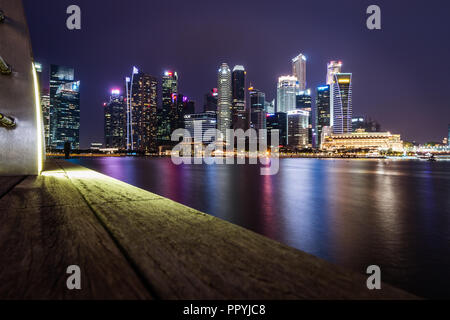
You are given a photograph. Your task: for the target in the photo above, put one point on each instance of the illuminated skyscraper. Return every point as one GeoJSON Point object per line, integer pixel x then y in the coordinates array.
{"type": "Point", "coordinates": [257, 109]}
{"type": "Point", "coordinates": [299, 70]}
{"type": "Point", "coordinates": [323, 111]}
{"type": "Point", "coordinates": [211, 101]}
{"type": "Point", "coordinates": [277, 121]}
{"type": "Point", "coordinates": [144, 119]}
{"type": "Point", "coordinates": [238, 84]}
{"type": "Point", "coordinates": [287, 93]}
{"type": "Point", "coordinates": [115, 121]}
{"type": "Point", "coordinates": [168, 115]}
{"type": "Point", "coordinates": [64, 108]}
{"type": "Point", "coordinates": [341, 103]}
{"type": "Point", "coordinates": [333, 67]}
{"type": "Point", "coordinates": [224, 104]}
{"type": "Point", "coordinates": [298, 123]}
{"type": "Point", "coordinates": [304, 102]}
{"type": "Point", "coordinates": [45, 104]}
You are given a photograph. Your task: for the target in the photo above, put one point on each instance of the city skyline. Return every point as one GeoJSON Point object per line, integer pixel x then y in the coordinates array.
{"type": "Point", "coordinates": [363, 53]}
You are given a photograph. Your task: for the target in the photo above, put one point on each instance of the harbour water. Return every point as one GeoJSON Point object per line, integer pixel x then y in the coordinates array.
{"type": "Point", "coordinates": [354, 213]}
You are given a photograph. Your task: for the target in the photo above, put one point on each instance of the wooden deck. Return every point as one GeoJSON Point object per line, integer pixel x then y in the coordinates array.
{"type": "Point", "coordinates": [132, 244]}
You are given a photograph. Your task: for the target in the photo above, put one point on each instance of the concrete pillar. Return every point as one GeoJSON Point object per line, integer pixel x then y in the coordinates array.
{"type": "Point", "coordinates": [21, 145]}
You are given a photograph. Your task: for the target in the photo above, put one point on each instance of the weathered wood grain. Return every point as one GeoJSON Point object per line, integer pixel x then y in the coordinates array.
{"type": "Point", "coordinates": [7, 183]}
{"type": "Point", "coordinates": [45, 226]}
{"type": "Point", "coordinates": [185, 254]}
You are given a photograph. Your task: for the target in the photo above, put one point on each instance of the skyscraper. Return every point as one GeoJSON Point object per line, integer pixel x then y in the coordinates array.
{"type": "Point", "coordinates": [277, 121]}
{"type": "Point", "coordinates": [144, 119]}
{"type": "Point", "coordinates": [341, 103]}
{"type": "Point", "coordinates": [45, 104]}
{"type": "Point", "coordinates": [257, 109]}
{"type": "Point", "coordinates": [115, 121]}
{"type": "Point", "coordinates": [333, 67]}
{"type": "Point", "coordinates": [238, 85]}
{"type": "Point", "coordinates": [168, 117]}
{"type": "Point", "coordinates": [304, 102]}
{"type": "Point", "coordinates": [298, 123]}
{"type": "Point", "coordinates": [64, 108]}
{"type": "Point", "coordinates": [299, 70]}
{"type": "Point", "coordinates": [224, 104]}
{"type": "Point", "coordinates": [287, 93]}
{"type": "Point", "coordinates": [210, 103]}
{"type": "Point", "coordinates": [323, 111]}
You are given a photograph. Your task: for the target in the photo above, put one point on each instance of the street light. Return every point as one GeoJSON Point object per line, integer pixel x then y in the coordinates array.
{"type": "Point", "coordinates": [4, 67]}
{"type": "Point", "coordinates": [7, 122]}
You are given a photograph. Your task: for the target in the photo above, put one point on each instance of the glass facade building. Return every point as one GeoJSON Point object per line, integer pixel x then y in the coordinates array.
{"type": "Point", "coordinates": [115, 121]}
{"type": "Point", "coordinates": [298, 133]}
{"type": "Point", "coordinates": [168, 115]}
{"type": "Point", "coordinates": [64, 108]}
{"type": "Point", "coordinates": [287, 93]}
{"type": "Point", "coordinates": [225, 97]}
{"type": "Point", "coordinates": [299, 70]}
{"type": "Point", "coordinates": [341, 103]}
{"type": "Point", "coordinates": [323, 111]}
{"type": "Point", "coordinates": [277, 121]}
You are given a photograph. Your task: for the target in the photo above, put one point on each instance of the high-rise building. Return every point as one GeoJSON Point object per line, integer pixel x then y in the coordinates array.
{"type": "Point", "coordinates": [144, 120]}
{"type": "Point", "coordinates": [333, 67]}
{"type": "Point", "coordinates": [341, 103]}
{"type": "Point", "coordinates": [257, 109]}
{"type": "Point", "coordinates": [287, 93]}
{"type": "Point", "coordinates": [323, 111]}
{"type": "Point", "coordinates": [115, 121]}
{"type": "Point", "coordinates": [299, 70]}
{"type": "Point", "coordinates": [203, 121]}
{"type": "Point", "coordinates": [270, 106]}
{"type": "Point", "coordinates": [277, 121]}
{"type": "Point", "coordinates": [45, 104]}
{"type": "Point", "coordinates": [304, 102]}
{"type": "Point", "coordinates": [238, 85]}
{"type": "Point", "coordinates": [168, 115]}
{"type": "Point", "coordinates": [211, 100]}
{"type": "Point", "coordinates": [224, 104]}
{"type": "Point", "coordinates": [64, 108]}
{"type": "Point", "coordinates": [298, 134]}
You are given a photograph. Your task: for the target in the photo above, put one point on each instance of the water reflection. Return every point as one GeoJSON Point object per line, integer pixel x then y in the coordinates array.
{"type": "Point", "coordinates": [355, 213]}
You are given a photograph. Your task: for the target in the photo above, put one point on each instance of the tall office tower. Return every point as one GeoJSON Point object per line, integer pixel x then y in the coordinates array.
{"type": "Point", "coordinates": [299, 70]}
{"type": "Point", "coordinates": [257, 109]}
{"type": "Point", "coordinates": [238, 85]}
{"type": "Point", "coordinates": [204, 121]}
{"type": "Point", "coordinates": [341, 103]}
{"type": "Point", "coordinates": [144, 120]}
{"type": "Point", "coordinates": [277, 121]}
{"type": "Point", "coordinates": [64, 108]}
{"type": "Point", "coordinates": [270, 106]}
{"type": "Point", "coordinates": [298, 123]}
{"type": "Point", "coordinates": [168, 113]}
{"type": "Point", "coordinates": [45, 104]}
{"type": "Point", "coordinates": [287, 93]}
{"type": "Point", "coordinates": [333, 67]}
{"type": "Point", "coordinates": [304, 102]}
{"type": "Point", "coordinates": [183, 107]}
{"type": "Point", "coordinates": [224, 103]}
{"type": "Point", "coordinates": [323, 111]}
{"type": "Point", "coordinates": [115, 112]}
{"type": "Point", "coordinates": [210, 103]}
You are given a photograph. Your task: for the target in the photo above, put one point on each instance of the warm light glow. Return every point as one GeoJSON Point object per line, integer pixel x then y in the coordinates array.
{"type": "Point", "coordinates": [39, 133]}
{"type": "Point", "coordinates": [344, 80]}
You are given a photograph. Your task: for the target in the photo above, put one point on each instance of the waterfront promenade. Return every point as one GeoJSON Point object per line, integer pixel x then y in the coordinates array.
{"type": "Point", "coordinates": [132, 244]}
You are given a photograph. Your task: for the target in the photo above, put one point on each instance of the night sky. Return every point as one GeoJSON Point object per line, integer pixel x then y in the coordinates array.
{"type": "Point", "coordinates": [401, 73]}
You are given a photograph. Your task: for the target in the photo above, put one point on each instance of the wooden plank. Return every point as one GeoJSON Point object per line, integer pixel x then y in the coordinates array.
{"type": "Point", "coordinates": [186, 254]}
{"type": "Point", "coordinates": [46, 226]}
{"type": "Point", "coordinates": [7, 183]}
